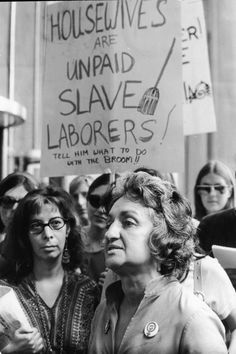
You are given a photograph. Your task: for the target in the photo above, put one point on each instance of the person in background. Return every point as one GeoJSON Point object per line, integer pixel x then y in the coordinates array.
{"type": "Point", "coordinates": [167, 176]}
{"type": "Point", "coordinates": [12, 189]}
{"type": "Point", "coordinates": [149, 243]}
{"type": "Point", "coordinates": [93, 238]}
{"type": "Point", "coordinates": [217, 228]}
{"type": "Point", "coordinates": [213, 190]}
{"type": "Point", "coordinates": [58, 301]}
{"type": "Point", "coordinates": [78, 189]}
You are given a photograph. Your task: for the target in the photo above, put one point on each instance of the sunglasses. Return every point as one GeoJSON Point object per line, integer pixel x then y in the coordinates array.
{"type": "Point", "coordinates": [206, 189]}
{"type": "Point", "coordinates": [7, 202]}
{"type": "Point", "coordinates": [95, 200]}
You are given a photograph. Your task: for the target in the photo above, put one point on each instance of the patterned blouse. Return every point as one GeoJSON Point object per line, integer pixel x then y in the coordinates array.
{"type": "Point", "coordinates": [66, 325]}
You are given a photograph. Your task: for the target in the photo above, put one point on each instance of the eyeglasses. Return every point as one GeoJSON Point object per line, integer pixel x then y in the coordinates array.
{"type": "Point", "coordinates": [37, 227]}
{"type": "Point", "coordinates": [95, 200]}
{"type": "Point", "coordinates": [206, 189]}
{"type": "Point", "coordinates": [7, 202]}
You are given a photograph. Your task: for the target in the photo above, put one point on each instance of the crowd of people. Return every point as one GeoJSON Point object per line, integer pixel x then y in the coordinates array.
{"type": "Point", "coordinates": [118, 264]}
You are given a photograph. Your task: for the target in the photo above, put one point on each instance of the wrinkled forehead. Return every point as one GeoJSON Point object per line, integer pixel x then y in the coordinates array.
{"type": "Point", "coordinates": [137, 204]}
{"type": "Point", "coordinates": [132, 203]}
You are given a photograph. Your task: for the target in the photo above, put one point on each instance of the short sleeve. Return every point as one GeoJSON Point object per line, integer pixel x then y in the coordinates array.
{"type": "Point", "coordinates": [218, 290]}
{"type": "Point", "coordinates": [205, 326]}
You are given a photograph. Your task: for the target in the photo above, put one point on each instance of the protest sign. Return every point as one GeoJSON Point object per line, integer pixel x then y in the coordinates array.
{"type": "Point", "coordinates": [198, 107]}
{"type": "Point", "coordinates": [112, 87]}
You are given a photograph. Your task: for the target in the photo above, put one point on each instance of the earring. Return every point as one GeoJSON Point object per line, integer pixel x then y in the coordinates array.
{"type": "Point", "coordinates": [66, 255]}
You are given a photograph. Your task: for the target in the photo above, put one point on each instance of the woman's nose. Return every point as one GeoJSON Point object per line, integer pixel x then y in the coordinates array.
{"type": "Point", "coordinates": [212, 190]}
{"type": "Point", "coordinates": [113, 231]}
{"type": "Point", "coordinates": [81, 201]}
{"type": "Point", "coordinates": [47, 232]}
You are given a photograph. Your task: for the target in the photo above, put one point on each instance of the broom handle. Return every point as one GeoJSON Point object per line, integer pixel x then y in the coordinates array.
{"type": "Point", "coordinates": [165, 63]}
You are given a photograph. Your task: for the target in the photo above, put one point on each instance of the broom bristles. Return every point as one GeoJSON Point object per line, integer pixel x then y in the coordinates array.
{"type": "Point", "coordinates": [148, 102]}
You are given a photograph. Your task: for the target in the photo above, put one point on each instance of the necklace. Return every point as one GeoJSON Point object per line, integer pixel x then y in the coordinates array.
{"type": "Point", "coordinates": [43, 319]}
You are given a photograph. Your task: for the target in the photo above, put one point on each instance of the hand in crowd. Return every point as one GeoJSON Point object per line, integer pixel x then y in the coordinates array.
{"type": "Point", "coordinates": [24, 340]}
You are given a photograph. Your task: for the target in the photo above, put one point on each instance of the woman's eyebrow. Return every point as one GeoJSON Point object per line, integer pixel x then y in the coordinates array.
{"type": "Point", "coordinates": [125, 213]}
{"type": "Point", "coordinates": [32, 220]}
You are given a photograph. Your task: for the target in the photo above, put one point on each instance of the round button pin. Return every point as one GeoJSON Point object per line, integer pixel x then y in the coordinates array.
{"type": "Point", "coordinates": [151, 329]}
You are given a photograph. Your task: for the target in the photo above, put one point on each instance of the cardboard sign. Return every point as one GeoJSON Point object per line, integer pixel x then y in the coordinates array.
{"type": "Point", "coordinates": [199, 114]}
{"type": "Point", "coordinates": [112, 81]}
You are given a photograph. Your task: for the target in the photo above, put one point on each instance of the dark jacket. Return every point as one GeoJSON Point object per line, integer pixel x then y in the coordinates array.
{"type": "Point", "coordinates": [218, 229]}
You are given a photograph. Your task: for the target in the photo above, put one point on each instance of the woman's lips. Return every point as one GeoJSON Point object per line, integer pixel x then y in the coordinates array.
{"type": "Point", "coordinates": [49, 247]}
{"type": "Point", "coordinates": [113, 247]}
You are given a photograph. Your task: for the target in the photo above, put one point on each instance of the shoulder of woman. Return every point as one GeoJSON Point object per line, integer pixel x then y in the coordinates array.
{"type": "Point", "coordinates": [209, 264]}
{"type": "Point", "coordinates": [81, 279]}
{"type": "Point", "coordinates": [204, 333]}
{"type": "Point", "coordinates": [213, 273]}
{"type": "Point", "coordinates": [207, 261]}
{"type": "Point", "coordinates": [4, 282]}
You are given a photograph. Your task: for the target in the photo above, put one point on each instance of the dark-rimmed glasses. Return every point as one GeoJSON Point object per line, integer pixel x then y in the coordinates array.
{"type": "Point", "coordinates": [7, 202]}
{"type": "Point", "coordinates": [36, 227]}
{"type": "Point", "coordinates": [206, 189]}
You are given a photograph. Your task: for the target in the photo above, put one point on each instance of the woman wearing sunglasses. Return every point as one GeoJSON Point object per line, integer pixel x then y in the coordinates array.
{"type": "Point", "coordinates": [214, 189]}
{"type": "Point", "coordinates": [12, 189]}
{"type": "Point", "coordinates": [58, 301]}
{"type": "Point", "coordinates": [94, 259]}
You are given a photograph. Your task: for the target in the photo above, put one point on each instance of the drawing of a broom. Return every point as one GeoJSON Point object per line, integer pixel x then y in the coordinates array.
{"type": "Point", "coordinates": [148, 102]}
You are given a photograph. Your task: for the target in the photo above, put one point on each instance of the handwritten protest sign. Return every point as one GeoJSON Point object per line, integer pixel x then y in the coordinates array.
{"type": "Point", "coordinates": [199, 114]}
{"type": "Point", "coordinates": [112, 87]}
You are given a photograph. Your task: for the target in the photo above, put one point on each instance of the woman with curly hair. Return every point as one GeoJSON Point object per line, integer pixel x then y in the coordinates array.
{"type": "Point", "coordinates": [149, 243]}
{"type": "Point", "coordinates": [46, 251]}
